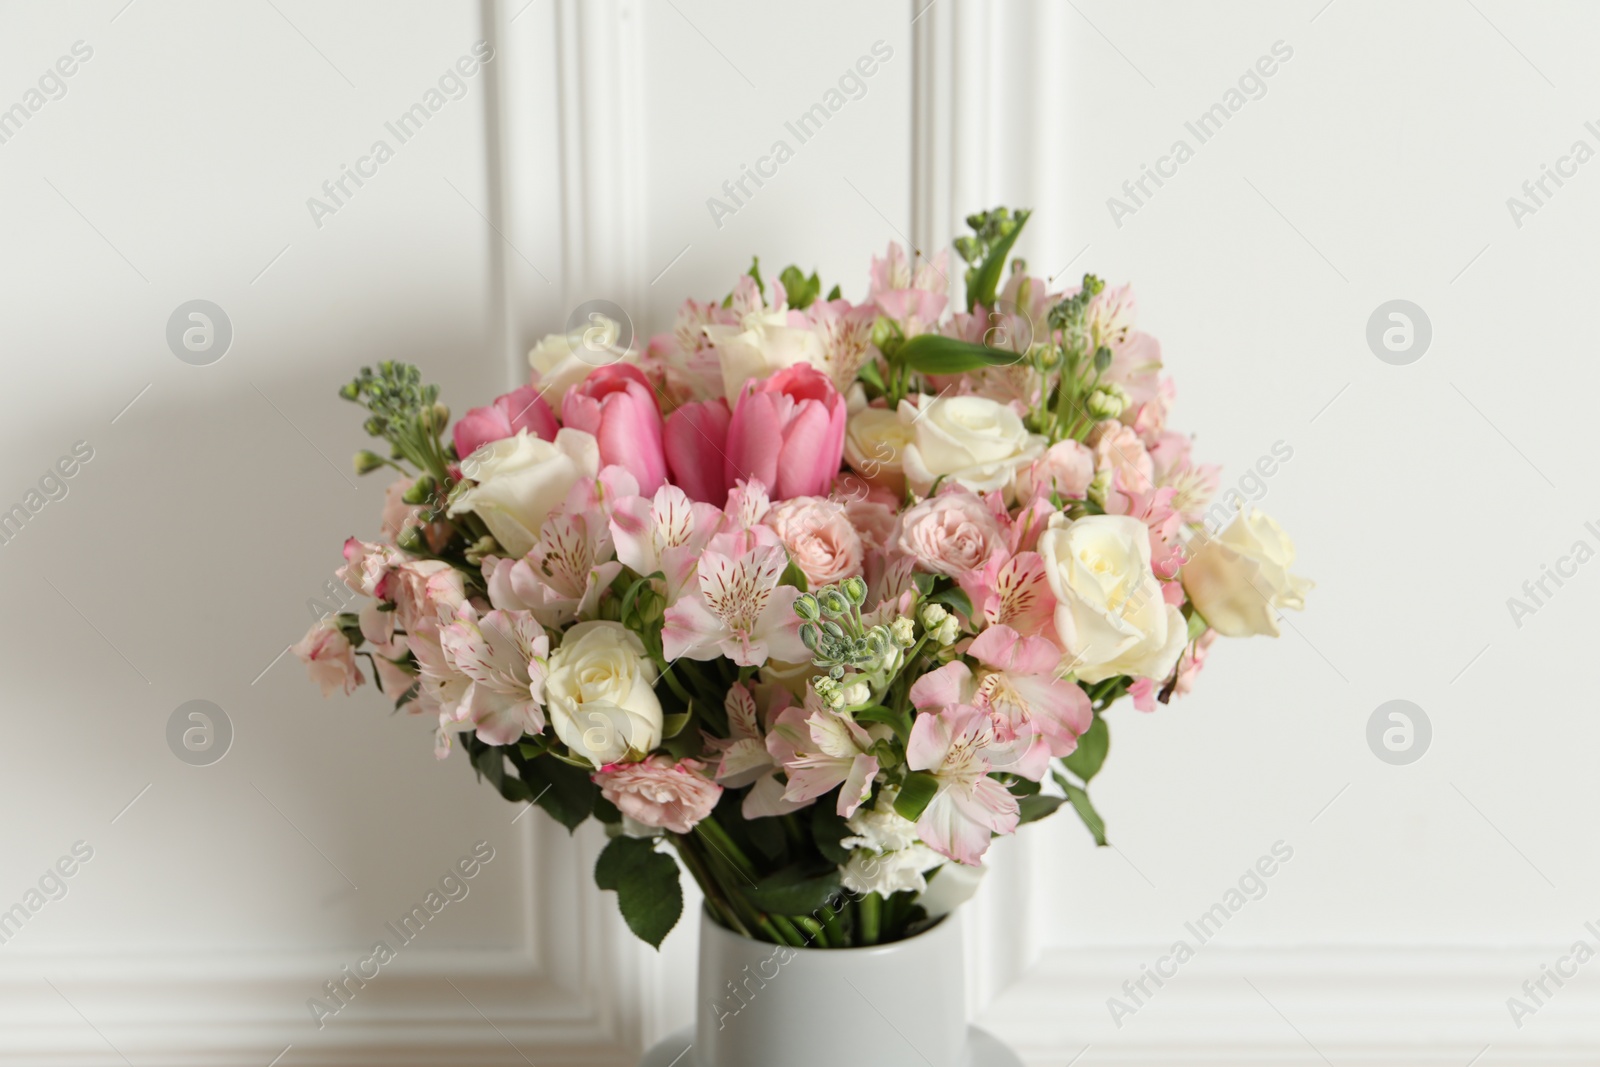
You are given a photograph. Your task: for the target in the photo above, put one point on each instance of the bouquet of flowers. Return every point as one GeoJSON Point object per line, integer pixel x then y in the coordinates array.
{"type": "Point", "coordinates": [816, 596]}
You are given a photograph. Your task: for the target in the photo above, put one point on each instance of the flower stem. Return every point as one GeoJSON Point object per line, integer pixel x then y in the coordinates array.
{"type": "Point", "coordinates": [869, 916]}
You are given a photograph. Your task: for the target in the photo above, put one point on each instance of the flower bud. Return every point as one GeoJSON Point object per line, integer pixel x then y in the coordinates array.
{"type": "Point", "coordinates": [933, 615]}
{"type": "Point", "coordinates": [805, 606]}
{"type": "Point", "coordinates": [367, 461]}
{"type": "Point", "coordinates": [855, 589]}
{"type": "Point", "coordinates": [1107, 402]}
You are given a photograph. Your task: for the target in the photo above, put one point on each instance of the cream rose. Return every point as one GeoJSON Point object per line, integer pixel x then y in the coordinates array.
{"type": "Point", "coordinates": [1239, 580]}
{"type": "Point", "coordinates": [819, 536]}
{"type": "Point", "coordinates": [562, 360]}
{"type": "Point", "coordinates": [874, 440]}
{"type": "Point", "coordinates": [599, 692]}
{"type": "Point", "coordinates": [1110, 614]}
{"type": "Point", "coordinates": [522, 479]}
{"type": "Point", "coordinates": [972, 440]}
{"type": "Point", "coordinates": [761, 345]}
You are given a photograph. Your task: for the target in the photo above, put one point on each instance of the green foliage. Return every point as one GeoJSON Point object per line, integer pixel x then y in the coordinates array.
{"type": "Point", "coordinates": [800, 290]}
{"type": "Point", "coordinates": [916, 793]}
{"type": "Point", "coordinates": [931, 353]}
{"type": "Point", "coordinates": [1086, 760]}
{"type": "Point", "coordinates": [986, 250]}
{"type": "Point", "coordinates": [796, 890]}
{"type": "Point", "coordinates": [1036, 807]}
{"type": "Point", "coordinates": [649, 893]}
{"type": "Point", "coordinates": [1080, 803]}
{"type": "Point", "coordinates": [404, 412]}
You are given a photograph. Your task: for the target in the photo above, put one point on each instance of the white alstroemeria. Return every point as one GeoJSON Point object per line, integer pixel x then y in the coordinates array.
{"type": "Point", "coordinates": [563, 574]}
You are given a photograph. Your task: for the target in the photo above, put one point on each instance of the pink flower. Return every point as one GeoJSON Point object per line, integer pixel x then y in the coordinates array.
{"type": "Point", "coordinates": [954, 745]}
{"type": "Point", "coordinates": [745, 757]}
{"type": "Point", "coordinates": [951, 533]}
{"type": "Point", "coordinates": [696, 443]}
{"type": "Point", "coordinates": [1145, 693]}
{"type": "Point", "coordinates": [503, 654]}
{"type": "Point", "coordinates": [820, 749]}
{"type": "Point", "coordinates": [663, 533]}
{"type": "Point", "coordinates": [1014, 591]}
{"type": "Point", "coordinates": [1066, 469]}
{"type": "Point", "coordinates": [738, 610]}
{"type": "Point", "coordinates": [329, 658]}
{"type": "Point", "coordinates": [915, 298]}
{"type": "Point", "coordinates": [520, 409]}
{"type": "Point", "coordinates": [563, 575]}
{"type": "Point", "coordinates": [820, 538]}
{"type": "Point", "coordinates": [1022, 686]}
{"type": "Point", "coordinates": [788, 433]}
{"type": "Point", "coordinates": [660, 793]}
{"type": "Point", "coordinates": [1121, 457]}
{"type": "Point", "coordinates": [617, 405]}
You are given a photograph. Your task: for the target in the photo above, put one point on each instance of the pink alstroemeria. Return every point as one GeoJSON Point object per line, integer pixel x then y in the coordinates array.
{"type": "Point", "coordinates": [1014, 591]}
{"type": "Point", "coordinates": [745, 756]}
{"type": "Point", "coordinates": [329, 658]}
{"type": "Point", "coordinates": [502, 654]}
{"type": "Point", "coordinates": [663, 533]}
{"type": "Point", "coordinates": [1018, 745]}
{"type": "Point", "coordinates": [738, 610]}
{"type": "Point", "coordinates": [1023, 688]}
{"type": "Point", "coordinates": [914, 298]}
{"type": "Point", "coordinates": [820, 749]}
{"type": "Point", "coordinates": [562, 576]}
{"type": "Point", "coordinates": [954, 745]}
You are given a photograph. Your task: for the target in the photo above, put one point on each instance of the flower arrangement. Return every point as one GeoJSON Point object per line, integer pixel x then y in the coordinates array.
{"type": "Point", "coordinates": [817, 596]}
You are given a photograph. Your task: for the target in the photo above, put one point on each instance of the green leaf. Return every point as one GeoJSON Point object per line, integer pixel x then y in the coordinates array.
{"type": "Point", "coordinates": [916, 793]}
{"type": "Point", "coordinates": [955, 599]}
{"type": "Point", "coordinates": [1090, 755]}
{"type": "Point", "coordinates": [793, 575]}
{"type": "Point", "coordinates": [800, 290]}
{"type": "Point", "coordinates": [563, 791]}
{"type": "Point", "coordinates": [833, 294]}
{"type": "Point", "coordinates": [828, 828]}
{"type": "Point", "coordinates": [649, 893]}
{"type": "Point", "coordinates": [1036, 807]}
{"type": "Point", "coordinates": [755, 272]}
{"type": "Point", "coordinates": [672, 725]}
{"type": "Point", "coordinates": [987, 278]}
{"type": "Point", "coordinates": [795, 890]}
{"type": "Point", "coordinates": [931, 353]}
{"type": "Point", "coordinates": [1085, 810]}
{"type": "Point", "coordinates": [898, 721]}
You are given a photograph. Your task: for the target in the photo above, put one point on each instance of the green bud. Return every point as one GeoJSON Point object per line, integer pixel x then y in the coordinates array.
{"type": "Point", "coordinates": [421, 491]}
{"type": "Point", "coordinates": [366, 462]}
{"type": "Point", "coordinates": [1102, 359]}
{"type": "Point", "coordinates": [805, 606]}
{"type": "Point", "coordinates": [410, 540]}
{"type": "Point", "coordinates": [833, 602]}
{"type": "Point", "coordinates": [855, 589]}
{"type": "Point", "coordinates": [808, 636]}
{"type": "Point", "coordinates": [351, 391]}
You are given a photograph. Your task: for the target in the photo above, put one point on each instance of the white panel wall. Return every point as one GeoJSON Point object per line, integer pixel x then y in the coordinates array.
{"type": "Point", "coordinates": [577, 165]}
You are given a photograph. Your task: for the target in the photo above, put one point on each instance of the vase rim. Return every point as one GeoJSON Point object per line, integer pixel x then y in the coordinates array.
{"type": "Point", "coordinates": [941, 924]}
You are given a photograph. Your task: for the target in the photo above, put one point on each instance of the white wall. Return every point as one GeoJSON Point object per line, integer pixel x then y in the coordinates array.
{"type": "Point", "coordinates": [1376, 166]}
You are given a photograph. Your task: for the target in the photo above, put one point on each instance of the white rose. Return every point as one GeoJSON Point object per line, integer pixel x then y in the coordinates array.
{"type": "Point", "coordinates": [599, 690]}
{"type": "Point", "coordinates": [562, 360]}
{"type": "Point", "coordinates": [874, 440]}
{"type": "Point", "coordinates": [1239, 580]}
{"type": "Point", "coordinates": [522, 479]}
{"type": "Point", "coordinates": [760, 346]}
{"type": "Point", "coordinates": [1109, 610]}
{"type": "Point", "coordinates": [972, 440]}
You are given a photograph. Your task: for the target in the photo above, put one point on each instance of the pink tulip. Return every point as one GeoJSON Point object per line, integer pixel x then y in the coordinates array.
{"type": "Point", "coordinates": [696, 439]}
{"type": "Point", "coordinates": [617, 405]}
{"type": "Point", "coordinates": [788, 433]}
{"type": "Point", "coordinates": [520, 409]}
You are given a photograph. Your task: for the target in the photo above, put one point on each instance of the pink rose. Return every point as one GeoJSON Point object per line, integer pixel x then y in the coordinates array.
{"type": "Point", "coordinates": [952, 533]}
{"type": "Point", "coordinates": [820, 538]}
{"type": "Point", "coordinates": [520, 409]}
{"type": "Point", "coordinates": [696, 442]}
{"type": "Point", "coordinates": [329, 658]}
{"type": "Point", "coordinates": [1066, 469]}
{"type": "Point", "coordinates": [788, 433]}
{"type": "Point", "coordinates": [660, 793]}
{"type": "Point", "coordinates": [616, 404]}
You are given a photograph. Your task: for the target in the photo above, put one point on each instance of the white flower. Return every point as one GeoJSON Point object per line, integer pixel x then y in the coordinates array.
{"type": "Point", "coordinates": [522, 479]}
{"type": "Point", "coordinates": [599, 692]}
{"type": "Point", "coordinates": [1110, 613]}
{"type": "Point", "coordinates": [1240, 580]}
{"type": "Point", "coordinates": [887, 855]}
{"type": "Point", "coordinates": [762, 344]}
{"type": "Point", "coordinates": [562, 360]}
{"type": "Point", "coordinates": [874, 439]}
{"type": "Point", "coordinates": [972, 440]}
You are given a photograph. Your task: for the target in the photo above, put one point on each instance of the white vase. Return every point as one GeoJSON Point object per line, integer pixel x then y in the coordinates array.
{"type": "Point", "coordinates": [764, 1005]}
